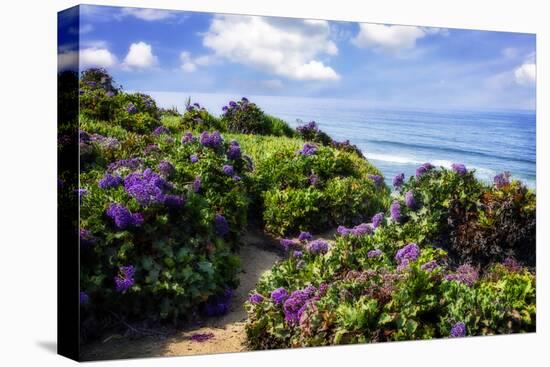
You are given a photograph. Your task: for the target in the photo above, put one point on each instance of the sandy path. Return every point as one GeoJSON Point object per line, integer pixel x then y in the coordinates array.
{"type": "Point", "coordinates": [257, 256]}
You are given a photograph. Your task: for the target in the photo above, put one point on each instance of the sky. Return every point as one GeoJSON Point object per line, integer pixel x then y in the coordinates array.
{"type": "Point", "coordinates": [380, 64]}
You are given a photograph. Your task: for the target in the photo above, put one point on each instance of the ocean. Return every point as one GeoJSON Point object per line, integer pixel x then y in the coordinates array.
{"type": "Point", "coordinates": [399, 140]}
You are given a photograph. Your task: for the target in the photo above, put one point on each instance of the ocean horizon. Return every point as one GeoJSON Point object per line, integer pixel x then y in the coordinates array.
{"type": "Point", "coordinates": [398, 140]}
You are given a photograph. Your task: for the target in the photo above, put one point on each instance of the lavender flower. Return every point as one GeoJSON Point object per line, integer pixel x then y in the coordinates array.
{"type": "Point", "coordinates": [213, 140]}
{"type": "Point", "coordinates": [122, 217]}
{"type": "Point", "coordinates": [377, 179]}
{"type": "Point", "coordinates": [146, 187]}
{"type": "Point", "coordinates": [409, 200]}
{"type": "Point", "coordinates": [308, 149]}
{"type": "Point", "coordinates": [362, 229]}
{"type": "Point", "coordinates": [166, 168]}
{"type": "Point", "coordinates": [465, 274]}
{"type": "Point", "coordinates": [132, 164]}
{"type": "Point", "coordinates": [110, 94]}
{"type": "Point", "coordinates": [377, 219]}
{"type": "Point", "coordinates": [297, 254]}
{"type": "Point", "coordinates": [423, 169]}
{"type": "Point", "coordinates": [193, 158]}
{"type": "Point", "coordinates": [343, 231]}
{"type": "Point", "coordinates": [512, 265]}
{"type": "Point", "coordinates": [81, 193]}
{"type": "Point", "coordinates": [221, 225]}
{"type": "Point", "coordinates": [407, 254]}
{"type": "Point", "coordinates": [255, 298]}
{"type": "Point", "coordinates": [296, 304]}
{"type": "Point", "coordinates": [131, 108]}
{"type": "Point", "coordinates": [125, 279]}
{"type": "Point", "coordinates": [196, 186]}
{"type": "Point", "coordinates": [430, 265]}
{"type": "Point", "coordinates": [286, 243]}
{"type": "Point", "coordinates": [374, 253]}
{"type": "Point", "coordinates": [279, 295]}
{"type": "Point", "coordinates": [86, 238]}
{"type": "Point", "coordinates": [84, 298]}
{"type": "Point", "coordinates": [305, 236]}
{"type": "Point", "coordinates": [459, 168]}
{"type": "Point", "coordinates": [234, 150]}
{"type": "Point", "coordinates": [501, 180]}
{"type": "Point", "coordinates": [395, 211]}
{"type": "Point", "coordinates": [308, 129]}
{"type": "Point", "coordinates": [228, 170]}
{"type": "Point", "coordinates": [161, 130]}
{"type": "Point", "coordinates": [398, 180]}
{"type": "Point", "coordinates": [458, 330]}
{"type": "Point", "coordinates": [236, 178]}
{"type": "Point", "coordinates": [187, 138]}
{"type": "Point", "coordinates": [317, 247]}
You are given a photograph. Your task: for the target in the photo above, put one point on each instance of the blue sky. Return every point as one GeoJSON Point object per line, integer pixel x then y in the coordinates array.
{"type": "Point", "coordinates": [387, 65]}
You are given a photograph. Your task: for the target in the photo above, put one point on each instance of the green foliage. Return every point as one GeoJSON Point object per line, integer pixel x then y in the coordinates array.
{"type": "Point", "coordinates": [197, 118]}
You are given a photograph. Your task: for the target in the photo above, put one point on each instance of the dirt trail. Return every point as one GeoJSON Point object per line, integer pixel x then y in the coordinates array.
{"type": "Point", "coordinates": [257, 256]}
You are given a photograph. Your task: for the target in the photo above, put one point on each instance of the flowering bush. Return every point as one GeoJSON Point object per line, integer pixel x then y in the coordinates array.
{"type": "Point", "coordinates": [395, 279]}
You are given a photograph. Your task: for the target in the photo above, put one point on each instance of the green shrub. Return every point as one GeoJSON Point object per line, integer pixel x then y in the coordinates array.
{"type": "Point", "coordinates": [197, 118]}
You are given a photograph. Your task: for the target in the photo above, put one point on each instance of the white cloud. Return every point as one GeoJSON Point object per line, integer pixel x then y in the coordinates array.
{"type": "Point", "coordinates": [288, 48]}
{"type": "Point", "coordinates": [391, 39]}
{"type": "Point", "coordinates": [526, 74]}
{"type": "Point", "coordinates": [147, 14]}
{"type": "Point", "coordinates": [97, 57]}
{"type": "Point", "coordinates": [140, 56]}
{"type": "Point", "coordinates": [510, 52]}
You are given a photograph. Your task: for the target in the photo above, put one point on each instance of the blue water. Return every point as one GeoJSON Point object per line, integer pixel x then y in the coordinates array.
{"type": "Point", "coordinates": [399, 140]}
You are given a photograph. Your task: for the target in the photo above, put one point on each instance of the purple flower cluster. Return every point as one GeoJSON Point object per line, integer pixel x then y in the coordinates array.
{"type": "Point", "coordinates": [296, 304]}
{"type": "Point", "coordinates": [308, 129]}
{"type": "Point", "coordinates": [409, 200]}
{"type": "Point", "coordinates": [228, 170]}
{"type": "Point", "coordinates": [395, 211]}
{"type": "Point", "coordinates": [377, 219]}
{"type": "Point", "coordinates": [161, 130]}
{"type": "Point", "coordinates": [255, 298]}
{"type": "Point", "coordinates": [147, 187]}
{"type": "Point", "coordinates": [193, 158]}
{"type": "Point", "coordinates": [398, 180]}
{"type": "Point", "coordinates": [465, 274]}
{"type": "Point", "coordinates": [305, 236]}
{"type": "Point", "coordinates": [279, 296]}
{"type": "Point", "coordinates": [213, 140]}
{"type": "Point", "coordinates": [234, 150]}
{"type": "Point", "coordinates": [423, 169]}
{"type": "Point", "coordinates": [166, 168]}
{"type": "Point", "coordinates": [458, 330]}
{"type": "Point", "coordinates": [196, 185]}
{"type": "Point", "coordinates": [308, 149]}
{"type": "Point", "coordinates": [81, 193]}
{"type": "Point", "coordinates": [297, 254]}
{"type": "Point", "coordinates": [221, 226]}
{"type": "Point", "coordinates": [374, 253]}
{"type": "Point", "coordinates": [502, 179]}
{"type": "Point", "coordinates": [406, 255]}
{"type": "Point", "coordinates": [459, 168]}
{"type": "Point", "coordinates": [286, 243]}
{"type": "Point", "coordinates": [125, 279]}
{"type": "Point", "coordinates": [131, 108]}
{"type": "Point", "coordinates": [359, 230]}
{"type": "Point", "coordinates": [377, 179]}
{"type": "Point", "coordinates": [86, 238]}
{"type": "Point", "coordinates": [131, 164]}
{"type": "Point", "coordinates": [430, 265]}
{"type": "Point", "coordinates": [187, 138]}
{"type": "Point", "coordinates": [122, 217]}
{"type": "Point", "coordinates": [317, 247]}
